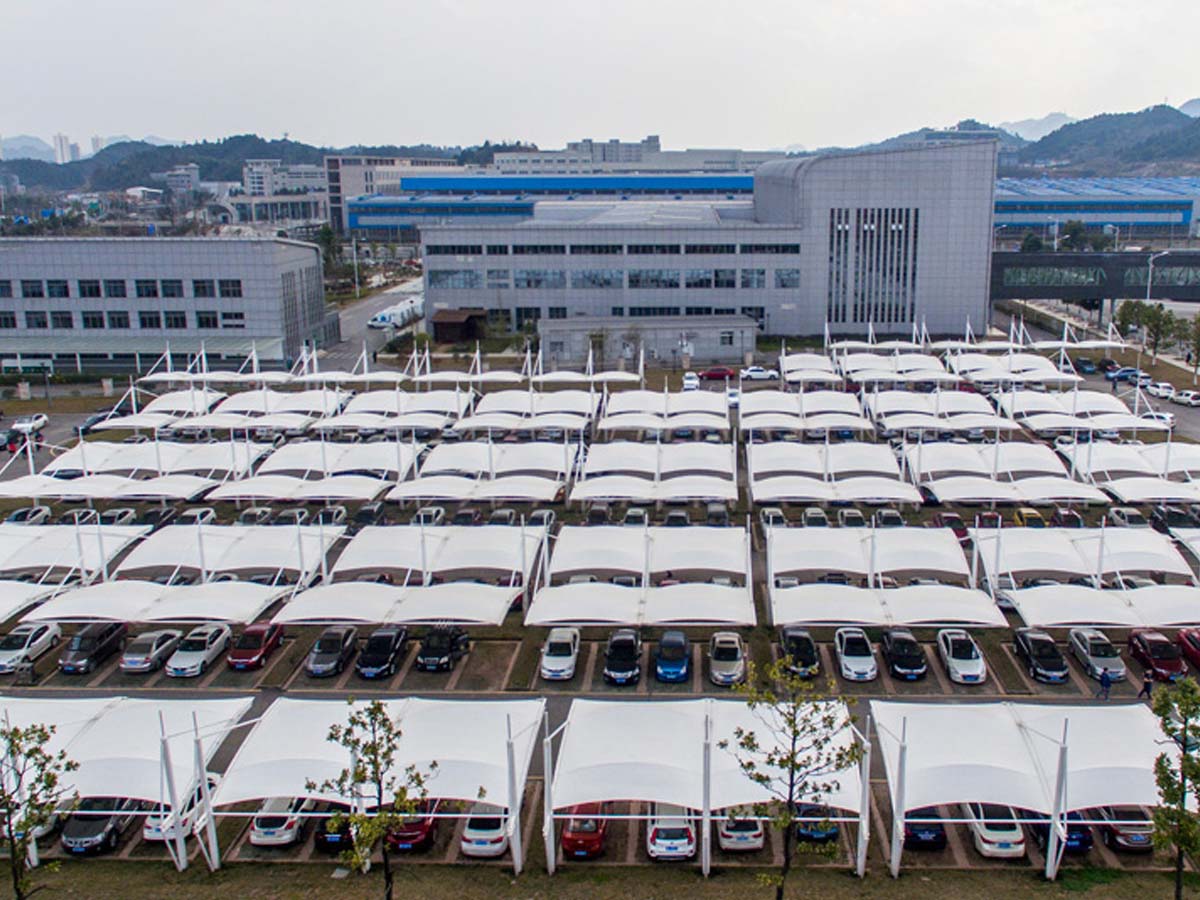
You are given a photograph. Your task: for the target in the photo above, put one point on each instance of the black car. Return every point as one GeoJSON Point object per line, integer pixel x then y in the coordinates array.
{"type": "Point", "coordinates": [1164, 518]}
{"type": "Point", "coordinates": [91, 645]}
{"type": "Point", "coordinates": [371, 514]}
{"type": "Point", "coordinates": [800, 651]}
{"type": "Point", "coordinates": [382, 653]}
{"type": "Point", "coordinates": [327, 836]}
{"type": "Point", "coordinates": [1079, 833]}
{"type": "Point", "coordinates": [96, 824]}
{"type": "Point", "coordinates": [922, 831]}
{"type": "Point", "coordinates": [158, 517]}
{"type": "Point", "coordinates": [333, 649]}
{"type": "Point", "coordinates": [1043, 660]}
{"type": "Point", "coordinates": [441, 648]}
{"type": "Point", "coordinates": [904, 656]}
{"type": "Point", "coordinates": [623, 657]}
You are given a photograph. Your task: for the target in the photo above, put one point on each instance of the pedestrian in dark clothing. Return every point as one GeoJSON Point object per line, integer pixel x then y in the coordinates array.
{"type": "Point", "coordinates": [1114, 385]}
{"type": "Point", "coordinates": [1105, 685]}
{"type": "Point", "coordinates": [1147, 685]}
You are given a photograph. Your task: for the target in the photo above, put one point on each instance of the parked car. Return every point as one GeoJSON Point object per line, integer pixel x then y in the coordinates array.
{"type": "Point", "coordinates": [923, 831]}
{"type": "Point", "coordinates": [677, 518]}
{"type": "Point", "coordinates": [954, 522]}
{"type": "Point", "coordinates": [691, 381]}
{"type": "Point", "coordinates": [994, 830]}
{"type": "Point", "coordinates": [1095, 652]}
{"type": "Point", "coordinates": [330, 515]}
{"type": "Point", "coordinates": [855, 656]}
{"type": "Point", "coordinates": [541, 518]}
{"type": "Point", "coordinates": [718, 373]}
{"type": "Point", "coordinates": [255, 645]}
{"type": "Point", "coordinates": [1186, 398]}
{"type": "Point", "coordinates": [1164, 390]}
{"type": "Point", "coordinates": [90, 646]}
{"type": "Point", "coordinates": [373, 513]}
{"type": "Point", "coordinates": [429, 515]}
{"type": "Point", "coordinates": [197, 515]}
{"type": "Point", "coordinates": [281, 821]}
{"type": "Point", "coordinates": [961, 656]}
{"type": "Point", "coordinates": [1107, 365]}
{"type": "Point", "coordinates": [503, 517]}
{"type": "Point", "coordinates": [726, 659]}
{"type": "Point", "coordinates": [904, 656]}
{"type": "Point", "coordinates": [799, 651]}
{"type": "Point", "coordinates": [585, 834]}
{"type": "Point", "coordinates": [1043, 660]}
{"type": "Point", "coordinates": [1126, 828]}
{"type": "Point", "coordinates": [293, 517]}
{"type": "Point", "coordinates": [30, 424]}
{"type": "Point", "coordinates": [560, 654]}
{"type": "Point", "coordinates": [670, 833]}
{"type": "Point", "coordinates": [96, 824]}
{"type": "Point", "coordinates": [1085, 366]}
{"type": "Point", "coordinates": [255, 515]}
{"type": "Point", "coordinates": [636, 517]}
{"type": "Point", "coordinates": [441, 648]}
{"type": "Point", "coordinates": [1066, 518]}
{"type": "Point", "coordinates": [623, 657]}
{"type": "Point", "coordinates": [1162, 417]}
{"type": "Point", "coordinates": [29, 515]}
{"type": "Point", "coordinates": [1163, 518]}
{"type": "Point", "coordinates": [673, 657]}
{"type": "Point", "coordinates": [1126, 517]}
{"type": "Point", "coordinates": [1155, 652]}
{"type": "Point", "coordinates": [814, 824]}
{"type": "Point", "coordinates": [733, 398]}
{"type": "Point", "coordinates": [79, 517]}
{"type": "Point", "coordinates": [814, 517]}
{"type": "Point", "coordinates": [851, 518]}
{"type": "Point", "coordinates": [121, 515]}
{"type": "Point", "coordinates": [716, 515]}
{"type": "Point", "coordinates": [484, 834]}
{"type": "Point", "coordinates": [599, 514]}
{"type": "Point", "coordinates": [1028, 517]}
{"type": "Point", "coordinates": [382, 653]}
{"type": "Point", "coordinates": [190, 820]}
{"type": "Point", "coordinates": [157, 517]}
{"type": "Point", "coordinates": [202, 647]}
{"type": "Point", "coordinates": [27, 643]}
{"type": "Point", "coordinates": [758, 373]}
{"type": "Point", "coordinates": [888, 518]}
{"type": "Point", "coordinates": [418, 829]}
{"type": "Point", "coordinates": [333, 650]}
{"type": "Point", "coordinates": [332, 833]}
{"type": "Point", "coordinates": [740, 835]}
{"type": "Point", "coordinates": [1079, 833]}
{"type": "Point", "coordinates": [467, 515]}
{"type": "Point", "coordinates": [150, 650]}
{"type": "Point", "coordinates": [1189, 644]}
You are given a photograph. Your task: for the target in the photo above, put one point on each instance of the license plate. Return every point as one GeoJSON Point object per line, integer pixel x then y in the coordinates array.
{"type": "Point", "coordinates": [404, 846]}
{"type": "Point", "coordinates": [239, 666]}
{"type": "Point", "coordinates": [269, 833]}
{"type": "Point", "coordinates": [78, 850]}
{"type": "Point", "coordinates": [481, 843]}
{"type": "Point", "coordinates": [581, 853]}
{"type": "Point", "coordinates": [1004, 845]}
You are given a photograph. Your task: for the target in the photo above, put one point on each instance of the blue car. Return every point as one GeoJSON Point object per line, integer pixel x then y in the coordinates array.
{"type": "Point", "coordinates": [672, 659]}
{"type": "Point", "coordinates": [1079, 833]}
{"type": "Point", "coordinates": [1085, 366]}
{"type": "Point", "coordinates": [818, 829]}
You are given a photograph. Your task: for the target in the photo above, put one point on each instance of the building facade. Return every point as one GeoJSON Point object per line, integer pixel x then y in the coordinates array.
{"type": "Point", "coordinates": [116, 303]}
{"type": "Point", "coordinates": [889, 239]}
{"type": "Point", "coordinates": [675, 341]}
{"type": "Point", "coordinates": [588, 157]}
{"type": "Point", "coordinates": [353, 176]}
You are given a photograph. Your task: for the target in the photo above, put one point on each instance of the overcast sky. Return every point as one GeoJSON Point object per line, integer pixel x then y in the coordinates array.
{"type": "Point", "coordinates": [756, 74]}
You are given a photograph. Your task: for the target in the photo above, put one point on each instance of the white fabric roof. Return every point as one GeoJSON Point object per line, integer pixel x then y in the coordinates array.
{"type": "Point", "coordinates": [1060, 606]}
{"type": "Point", "coordinates": [517, 488]}
{"type": "Point", "coordinates": [1013, 459]}
{"type": "Point", "coordinates": [107, 487]}
{"type": "Point", "coordinates": [232, 548]}
{"type": "Point", "coordinates": [1104, 460]}
{"type": "Point", "coordinates": [476, 458]}
{"type": "Point", "coordinates": [448, 548]}
{"type": "Point", "coordinates": [808, 403]}
{"type": "Point", "coordinates": [1151, 489]}
{"type": "Point", "coordinates": [233, 421]}
{"type": "Point", "coordinates": [938, 403]}
{"type": "Point", "coordinates": [618, 548]}
{"type": "Point", "coordinates": [861, 489]}
{"type": "Point", "coordinates": [362, 421]}
{"type": "Point", "coordinates": [450, 403]}
{"type": "Point", "coordinates": [667, 459]}
{"type": "Point", "coordinates": [498, 421]}
{"type": "Point", "coordinates": [289, 487]}
{"type": "Point", "coordinates": [1035, 489]}
{"type": "Point", "coordinates": [369, 603]}
{"type": "Point", "coordinates": [628, 487]}
{"type": "Point", "coordinates": [334, 457]}
{"type": "Point", "coordinates": [666, 404]}
{"type": "Point", "coordinates": [288, 749]}
{"type": "Point", "coordinates": [146, 601]}
{"type": "Point", "coordinates": [653, 751]}
{"type": "Point", "coordinates": [1007, 753]}
{"type": "Point", "coordinates": [850, 457]}
{"type": "Point", "coordinates": [1172, 458]}
{"type": "Point", "coordinates": [841, 604]}
{"type": "Point", "coordinates": [1079, 551]}
{"type": "Point", "coordinates": [42, 548]}
{"type": "Point", "coordinates": [189, 402]}
{"type": "Point", "coordinates": [850, 550]}
{"type": "Point", "coordinates": [526, 403]}
{"type": "Point", "coordinates": [142, 420]}
{"type": "Point", "coordinates": [18, 596]}
{"type": "Point", "coordinates": [316, 402]}
{"type": "Point", "coordinates": [158, 456]}
{"type": "Point", "coordinates": [601, 603]}
{"type": "Point", "coordinates": [831, 421]}
{"type": "Point", "coordinates": [632, 421]}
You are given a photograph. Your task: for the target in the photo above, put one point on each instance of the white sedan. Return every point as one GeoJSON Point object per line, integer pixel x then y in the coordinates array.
{"type": "Point", "coordinates": [855, 655]}
{"type": "Point", "coordinates": [202, 647]}
{"type": "Point", "coordinates": [961, 656]}
{"type": "Point", "coordinates": [691, 381]}
{"type": "Point", "coordinates": [26, 643]}
{"type": "Point", "coordinates": [280, 821]}
{"type": "Point", "coordinates": [1186, 398]}
{"type": "Point", "coordinates": [160, 825]}
{"type": "Point", "coordinates": [1161, 389]}
{"type": "Point", "coordinates": [560, 654]}
{"type": "Point", "coordinates": [485, 833]}
{"type": "Point", "coordinates": [994, 830]}
{"type": "Point", "coordinates": [31, 423]}
{"type": "Point", "coordinates": [758, 373]}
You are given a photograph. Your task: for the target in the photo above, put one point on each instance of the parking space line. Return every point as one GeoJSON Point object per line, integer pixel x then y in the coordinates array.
{"type": "Point", "coordinates": [953, 839]}
{"type": "Point", "coordinates": [885, 677]}
{"type": "Point", "coordinates": [591, 666]}
{"type": "Point", "coordinates": [1036, 858]}
{"type": "Point", "coordinates": [279, 656]}
{"type": "Point", "coordinates": [935, 666]}
{"type": "Point", "coordinates": [697, 666]}
{"type": "Point", "coordinates": [456, 675]}
{"type": "Point", "coordinates": [532, 797]}
{"type": "Point", "coordinates": [411, 657]}
{"type": "Point", "coordinates": [210, 676]}
{"type": "Point", "coordinates": [512, 662]}
{"type": "Point", "coordinates": [344, 678]}
{"type": "Point", "coordinates": [643, 685]}
{"type": "Point", "coordinates": [882, 835]}
{"type": "Point", "coordinates": [455, 841]}
{"type": "Point", "coordinates": [631, 845]}
{"type": "Point", "coordinates": [1080, 682]}
{"type": "Point", "coordinates": [104, 673]}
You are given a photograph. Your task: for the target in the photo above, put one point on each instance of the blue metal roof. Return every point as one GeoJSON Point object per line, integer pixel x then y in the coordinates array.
{"type": "Point", "coordinates": [567, 184]}
{"type": "Point", "coordinates": [1186, 187]}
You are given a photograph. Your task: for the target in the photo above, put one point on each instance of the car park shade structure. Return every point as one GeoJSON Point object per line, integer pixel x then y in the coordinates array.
{"type": "Point", "coordinates": [1068, 605]}
{"type": "Point", "coordinates": [641, 410]}
{"type": "Point", "coordinates": [315, 402]}
{"type": "Point", "coordinates": [873, 368]}
{"type": "Point", "coordinates": [464, 603]}
{"type": "Point", "coordinates": [502, 553]}
{"type": "Point", "coordinates": [226, 458]}
{"type": "Point", "coordinates": [396, 403]}
{"type": "Point", "coordinates": [808, 368]}
{"type": "Point", "coordinates": [191, 402]}
{"type": "Point", "coordinates": [695, 553]}
{"type": "Point", "coordinates": [866, 553]}
{"type": "Point", "coordinates": [290, 488]}
{"type": "Point", "coordinates": [923, 605]}
{"type": "Point", "coordinates": [236, 602]}
{"type": "Point", "coordinates": [107, 487]}
{"type": "Point", "coordinates": [43, 549]}
{"type": "Point", "coordinates": [453, 488]}
{"type": "Point", "coordinates": [277, 422]}
{"type": "Point", "coordinates": [1003, 460]}
{"type": "Point", "coordinates": [850, 471]}
{"type": "Point", "coordinates": [802, 411]}
{"type": "Point", "coordinates": [314, 459]}
{"type": "Point", "coordinates": [601, 603]}
{"type": "Point", "coordinates": [547, 459]}
{"type": "Point", "coordinates": [660, 460]}
{"type": "Point", "coordinates": [1035, 489]}
{"type": "Point", "coordinates": [18, 596]}
{"type": "Point", "coordinates": [1014, 368]}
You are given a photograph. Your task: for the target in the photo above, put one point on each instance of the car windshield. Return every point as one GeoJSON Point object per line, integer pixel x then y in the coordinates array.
{"type": "Point", "coordinates": [1102, 650]}
{"type": "Point", "coordinates": [726, 653]}
{"type": "Point", "coordinates": [483, 823]}
{"type": "Point", "coordinates": [1044, 650]}
{"type": "Point", "coordinates": [1135, 518]}
{"type": "Point", "coordinates": [437, 642]}
{"type": "Point", "coordinates": [671, 834]}
{"type": "Point", "coordinates": [1175, 517]}
{"type": "Point", "coordinates": [856, 646]}
{"type": "Point", "coordinates": [1163, 650]}
{"type": "Point", "coordinates": [749, 825]}
{"type": "Point", "coordinates": [673, 651]}
{"type": "Point", "coordinates": [905, 647]}
{"type": "Point", "coordinates": [193, 644]}
{"type": "Point", "coordinates": [82, 642]}
{"type": "Point", "coordinates": [249, 641]}
{"type": "Point", "coordinates": [583, 826]}
{"type": "Point", "coordinates": [801, 649]}
{"type": "Point", "coordinates": [622, 651]}
{"type": "Point", "coordinates": [329, 643]}
{"type": "Point", "coordinates": [963, 648]}
{"type": "Point", "coordinates": [378, 643]}
{"type": "Point", "coordinates": [999, 818]}
{"type": "Point", "coordinates": [558, 648]}
{"type": "Point", "coordinates": [92, 804]}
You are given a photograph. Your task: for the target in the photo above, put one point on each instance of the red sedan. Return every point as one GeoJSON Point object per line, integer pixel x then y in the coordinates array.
{"type": "Point", "coordinates": [954, 522]}
{"type": "Point", "coordinates": [1189, 643]}
{"type": "Point", "coordinates": [585, 835]}
{"type": "Point", "coordinates": [418, 831]}
{"type": "Point", "coordinates": [1156, 652]}
{"type": "Point", "coordinates": [255, 645]}
{"type": "Point", "coordinates": [718, 373]}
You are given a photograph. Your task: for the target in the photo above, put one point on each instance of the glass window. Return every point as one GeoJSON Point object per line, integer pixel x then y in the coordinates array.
{"type": "Point", "coordinates": [771, 248]}
{"type": "Point", "coordinates": [698, 278]}
{"type": "Point", "coordinates": [92, 318]}
{"type": "Point", "coordinates": [710, 248]}
{"type": "Point", "coordinates": [230, 288]}
{"type": "Point", "coordinates": [204, 288]}
{"type": "Point", "coordinates": [207, 319]}
{"type": "Point", "coordinates": [8, 319]}
{"type": "Point", "coordinates": [36, 320]}
{"type": "Point", "coordinates": [500, 279]}
{"type": "Point", "coordinates": [653, 278]}
{"type": "Point", "coordinates": [233, 320]}
{"type": "Point", "coordinates": [725, 278]}
{"type": "Point", "coordinates": [57, 288]}
{"type": "Point", "coordinates": [462, 279]}
{"type": "Point", "coordinates": [585, 279]}
{"type": "Point", "coordinates": [556, 312]}
{"type": "Point", "coordinates": [149, 319]}
{"type": "Point", "coordinates": [697, 310]}
{"type": "Point", "coordinates": [597, 249]}
{"type": "Point", "coordinates": [528, 314]}
{"type": "Point", "coordinates": [618, 310]}
{"type": "Point", "coordinates": [758, 313]}
{"type": "Point", "coordinates": [62, 318]}
{"type": "Point", "coordinates": [171, 287]}
{"type": "Point", "coordinates": [538, 249]}
{"type": "Point", "coordinates": [754, 278]}
{"type": "Point", "coordinates": [32, 290]}
{"type": "Point", "coordinates": [533, 279]}
{"type": "Point", "coordinates": [118, 319]}
{"type": "Point", "coordinates": [652, 249]}
{"type": "Point", "coordinates": [726, 339]}
{"type": "Point", "coordinates": [497, 249]}
{"type": "Point", "coordinates": [5, 288]}
{"type": "Point", "coordinates": [453, 250]}
{"type": "Point", "coordinates": [145, 288]}
{"type": "Point", "coordinates": [89, 288]}
{"type": "Point", "coordinates": [643, 311]}
{"type": "Point", "coordinates": [500, 317]}
{"type": "Point", "coordinates": [787, 278]}
{"type": "Point", "coordinates": [114, 287]}
{"type": "Point", "coordinates": [175, 319]}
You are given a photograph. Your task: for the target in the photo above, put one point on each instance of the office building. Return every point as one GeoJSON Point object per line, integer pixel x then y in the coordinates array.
{"type": "Point", "coordinates": [590, 157]}
{"type": "Point", "coordinates": [62, 148]}
{"type": "Point", "coordinates": [184, 178]}
{"type": "Point", "coordinates": [353, 176]}
{"type": "Point", "coordinates": [264, 177]}
{"type": "Point", "coordinates": [1139, 207]}
{"type": "Point", "coordinates": [115, 303]}
{"type": "Point", "coordinates": [888, 238]}
{"type": "Point", "coordinates": [97, 144]}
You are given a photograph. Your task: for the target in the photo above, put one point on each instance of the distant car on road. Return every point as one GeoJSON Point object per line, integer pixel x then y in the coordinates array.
{"type": "Point", "coordinates": [758, 373]}
{"type": "Point", "coordinates": [718, 373]}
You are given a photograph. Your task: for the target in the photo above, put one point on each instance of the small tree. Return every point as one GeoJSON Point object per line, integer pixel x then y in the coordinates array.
{"type": "Point", "coordinates": [1160, 326]}
{"type": "Point", "coordinates": [1129, 316]}
{"type": "Point", "coordinates": [372, 738]}
{"type": "Point", "coordinates": [1073, 235]}
{"type": "Point", "coordinates": [1176, 826]}
{"type": "Point", "coordinates": [1189, 334]}
{"type": "Point", "coordinates": [32, 790]}
{"type": "Point", "coordinates": [1031, 243]}
{"type": "Point", "coordinates": [331, 247]}
{"type": "Point", "coordinates": [797, 753]}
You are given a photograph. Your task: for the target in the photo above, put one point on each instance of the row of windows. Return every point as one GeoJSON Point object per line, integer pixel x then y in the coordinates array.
{"type": "Point", "coordinates": [64, 319]}
{"type": "Point", "coordinates": [614, 279]}
{"type": "Point", "coordinates": [92, 288]}
{"type": "Point", "coordinates": [608, 249]}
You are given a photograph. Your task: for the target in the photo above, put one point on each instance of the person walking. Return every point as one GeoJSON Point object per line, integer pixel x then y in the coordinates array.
{"type": "Point", "coordinates": [1105, 685]}
{"type": "Point", "coordinates": [1147, 685]}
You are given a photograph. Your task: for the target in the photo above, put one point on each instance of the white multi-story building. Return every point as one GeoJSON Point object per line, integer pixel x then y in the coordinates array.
{"type": "Point", "coordinates": [184, 178]}
{"type": "Point", "coordinates": [265, 177]}
{"type": "Point", "coordinates": [62, 148]}
{"type": "Point", "coordinates": [353, 176]}
{"type": "Point", "coordinates": [116, 303]}
{"type": "Point", "coordinates": [588, 157]}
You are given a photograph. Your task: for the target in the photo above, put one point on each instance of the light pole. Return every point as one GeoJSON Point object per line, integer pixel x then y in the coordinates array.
{"type": "Point", "coordinates": [1114, 230]}
{"type": "Point", "coordinates": [1150, 272]}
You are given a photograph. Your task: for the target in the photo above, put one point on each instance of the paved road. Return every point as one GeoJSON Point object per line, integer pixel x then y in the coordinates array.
{"type": "Point", "coordinates": [354, 329]}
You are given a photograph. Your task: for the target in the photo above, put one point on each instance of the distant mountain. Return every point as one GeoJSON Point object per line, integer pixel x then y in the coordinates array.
{"type": "Point", "coordinates": [1191, 108]}
{"type": "Point", "coordinates": [1179, 145]}
{"type": "Point", "coordinates": [1008, 140]}
{"type": "Point", "coordinates": [1036, 129]}
{"type": "Point", "coordinates": [1100, 142]}
{"type": "Point", "coordinates": [26, 146]}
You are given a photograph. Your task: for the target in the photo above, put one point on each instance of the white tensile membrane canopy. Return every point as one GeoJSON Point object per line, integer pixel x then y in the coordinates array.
{"type": "Point", "coordinates": [382, 459]}
{"type": "Point", "coordinates": [931, 462]}
{"type": "Point", "coordinates": [516, 488]}
{"type": "Point", "coordinates": [437, 549]}
{"type": "Point", "coordinates": [656, 549]}
{"type": "Point", "coordinates": [1106, 461]}
{"type": "Point", "coordinates": [533, 403]}
{"type": "Point", "coordinates": [1066, 605]}
{"type": "Point", "coordinates": [268, 488]}
{"type": "Point", "coordinates": [18, 596]}
{"type": "Point", "coordinates": [446, 402]}
{"type": "Point", "coordinates": [230, 421]}
{"type": "Point", "coordinates": [856, 489]}
{"type": "Point", "coordinates": [668, 460]}
{"type": "Point", "coordinates": [163, 457]}
{"type": "Point", "coordinates": [807, 403]}
{"type": "Point", "coordinates": [137, 421]}
{"type": "Point", "coordinates": [475, 458]}
{"type": "Point", "coordinates": [238, 602]}
{"type": "Point", "coordinates": [365, 421]}
{"type": "Point", "coordinates": [864, 552]}
{"type": "Point", "coordinates": [1077, 552]}
{"type": "Point", "coordinates": [808, 368]}
{"type": "Point", "coordinates": [634, 421]}
{"type": "Point", "coordinates": [502, 421]}
{"type": "Point", "coordinates": [107, 487]}
{"type": "Point", "coordinates": [465, 603]}
{"type": "Point", "coordinates": [1033, 489]}
{"type": "Point", "coordinates": [600, 603]}
{"type": "Point", "coordinates": [235, 549]}
{"type": "Point", "coordinates": [660, 403]}
{"type": "Point", "coordinates": [40, 549]}
{"type": "Point", "coordinates": [914, 605]}
{"type": "Point", "coordinates": [833, 421]}
{"type": "Point", "coordinates": [653, 751]}
{"type": "Point", "coordinates": [288, 749]}
{"type": "Point", "coordinates": [939, 403]}
{"type": "Point", "coordinates": [315, 402]}
{"type": "Point", "coordinates": [1173, 458]}
{"type": "Point", "coordinates": [854, 365]}
{"type": "Point", "coordinates": [645, 490]}
{"type": "Point", "coordinates": [190, 402]}
{"type": "Point", "coordinates": [117, 741]}
{"type": "Point", "coordinates": [821, 460]}
{"type": "Point", "coordinates": [1151, 489]}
